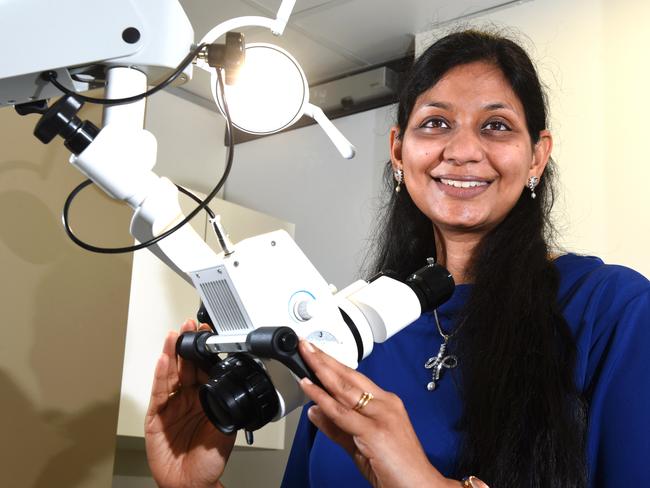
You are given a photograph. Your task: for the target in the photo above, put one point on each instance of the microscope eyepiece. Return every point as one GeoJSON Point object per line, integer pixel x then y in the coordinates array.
{"type": "Point", "coordinates": [432, 284]}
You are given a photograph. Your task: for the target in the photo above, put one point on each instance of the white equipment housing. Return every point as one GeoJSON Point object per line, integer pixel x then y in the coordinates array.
{"type": "Point", "coordinates": [68, 43]}
{"type": "Point", "coordinates": [269, 282]}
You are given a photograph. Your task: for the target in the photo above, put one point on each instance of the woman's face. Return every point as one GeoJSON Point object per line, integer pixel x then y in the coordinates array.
{"type": "Point", "coordinates": [466, 152]}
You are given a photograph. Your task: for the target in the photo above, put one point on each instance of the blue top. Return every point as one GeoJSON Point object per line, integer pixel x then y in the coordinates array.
{"type": "Point", "coordinates": [608, 310]}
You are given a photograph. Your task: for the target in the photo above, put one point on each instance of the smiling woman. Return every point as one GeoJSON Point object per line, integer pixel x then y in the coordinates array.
{"type": "Point", "coordinates": [466, 152]}
{"type": "Point", "coordinates": [536, 339]}
{"type": "Point", "coordinates": [541, 372]}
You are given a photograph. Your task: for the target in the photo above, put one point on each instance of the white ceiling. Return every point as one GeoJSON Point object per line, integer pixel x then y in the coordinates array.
{"type": "Point", "coordinates": [330, 38]}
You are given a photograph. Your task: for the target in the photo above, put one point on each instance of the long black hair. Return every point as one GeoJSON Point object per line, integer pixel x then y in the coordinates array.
{"type": "Point", "coordinates": [524, 421]}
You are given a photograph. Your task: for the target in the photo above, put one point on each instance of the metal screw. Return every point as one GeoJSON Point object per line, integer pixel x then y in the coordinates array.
{"type": "Point", "coordinates": [272, 243]}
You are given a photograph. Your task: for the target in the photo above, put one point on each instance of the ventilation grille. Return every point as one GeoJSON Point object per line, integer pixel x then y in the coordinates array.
{"type": "Point", "coordinates": [223, 307]}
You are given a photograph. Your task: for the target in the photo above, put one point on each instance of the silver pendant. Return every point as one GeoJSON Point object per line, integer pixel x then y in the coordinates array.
{"type": "Point", "coordinates": [438, 363]}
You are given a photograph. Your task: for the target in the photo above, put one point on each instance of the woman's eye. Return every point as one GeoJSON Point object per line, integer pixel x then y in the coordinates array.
{"type": "Point", "coordinates": [496, 125]}
{"type": "Point", "coordinates": [435, 123]}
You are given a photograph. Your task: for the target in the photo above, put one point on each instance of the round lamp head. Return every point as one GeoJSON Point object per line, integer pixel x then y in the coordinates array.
{"type": "Point", "coordinates": [270, 93]}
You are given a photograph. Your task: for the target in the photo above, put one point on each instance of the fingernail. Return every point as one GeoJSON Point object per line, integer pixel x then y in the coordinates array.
{"type": "Point", "coordinates": [308, 346]}
{"type": "Point", "coordinates": [311, 413]}
{"type": "Point", "coordinates": [306, 381]}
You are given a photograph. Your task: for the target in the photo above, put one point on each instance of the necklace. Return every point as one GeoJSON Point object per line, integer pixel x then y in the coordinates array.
{"type": "Point", "coordinates": [441, 361]}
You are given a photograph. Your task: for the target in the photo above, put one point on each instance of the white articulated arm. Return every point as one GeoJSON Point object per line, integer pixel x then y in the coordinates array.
{"type": "Point", "coordinates": [121, 158]}
{"type": "Point", "coordinates": [120, 161]}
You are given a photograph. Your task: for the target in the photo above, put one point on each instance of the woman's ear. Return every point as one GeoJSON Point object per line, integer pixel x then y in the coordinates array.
{"type": "Point", "coordinates": [395, 148]}
{"type": "Point", "coordinates": [541, 153]}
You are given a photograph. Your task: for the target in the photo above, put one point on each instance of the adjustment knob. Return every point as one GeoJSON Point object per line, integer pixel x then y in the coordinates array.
{"type": "Point", "coordinates": [57, 119]}
{"type": "Point", "coordinates": [306, 310]}
{"type": "Point", "coordinates": [61, 119]}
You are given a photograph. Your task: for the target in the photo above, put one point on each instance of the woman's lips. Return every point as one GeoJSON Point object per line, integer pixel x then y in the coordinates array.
{"type": "Point", "coordinates": [462, 188]}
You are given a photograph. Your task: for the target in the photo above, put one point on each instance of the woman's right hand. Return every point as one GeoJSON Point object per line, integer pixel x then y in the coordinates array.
{"type": "Point", "coordinates": [183, 447]}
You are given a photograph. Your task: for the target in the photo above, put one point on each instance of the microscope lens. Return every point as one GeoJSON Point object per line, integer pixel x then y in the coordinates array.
{"type": "Point", "coordinates": [239, 395]}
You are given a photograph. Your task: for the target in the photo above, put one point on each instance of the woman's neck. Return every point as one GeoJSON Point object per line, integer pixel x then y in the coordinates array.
{"type": "Point", "coordinates": [455, 251]}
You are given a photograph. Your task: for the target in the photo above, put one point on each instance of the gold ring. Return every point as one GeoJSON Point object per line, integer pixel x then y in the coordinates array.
{"type": "Point", "coordinates": [469, 482]}
{"type": "Point", "coordinates": [365, 398]}
{"type": "Point", "coordinates": [173, 393]}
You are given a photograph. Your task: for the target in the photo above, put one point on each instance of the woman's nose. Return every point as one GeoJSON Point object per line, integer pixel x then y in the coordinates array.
{"type": "Point", "coordinates": [463, 146]}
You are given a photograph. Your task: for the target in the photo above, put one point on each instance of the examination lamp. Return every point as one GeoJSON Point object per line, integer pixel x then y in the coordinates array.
{"type": "Point", "coordinates": [271, 94]}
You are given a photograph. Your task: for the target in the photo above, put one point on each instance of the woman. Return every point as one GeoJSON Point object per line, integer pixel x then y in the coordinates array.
{"type": "Point", "coordinates": [542, 379]}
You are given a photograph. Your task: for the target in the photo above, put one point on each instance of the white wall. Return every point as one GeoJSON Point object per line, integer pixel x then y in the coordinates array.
{"type": "Point", "coordinates": [592, 55]}
{"type": "Point", "coordinates": [299, 176]}
{"type": "Point", "coordinates": [63, 317]}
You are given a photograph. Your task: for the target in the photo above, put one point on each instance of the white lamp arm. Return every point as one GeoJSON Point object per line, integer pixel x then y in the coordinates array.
{"type": "Point", "coordinates": [276, 26]}
{"type": "Point", "coordinates": [284, 12]}
{"type": "Point", "coordinates": [345, 147]}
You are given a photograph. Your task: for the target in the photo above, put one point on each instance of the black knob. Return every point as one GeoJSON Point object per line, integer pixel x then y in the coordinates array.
{"type": "Point", "coordinates": [288, 341]}
{"type": "Point", "coordinates": [204, 317]}
{"type": "Point", "coordinates": [37, 107]}
{"type": "Point", "coordinates": [191, 346]}
{"type": "Point", "coordinates": [61, 119]}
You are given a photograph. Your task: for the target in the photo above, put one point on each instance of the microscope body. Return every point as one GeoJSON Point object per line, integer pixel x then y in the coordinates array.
{"type": "Point", "coordinates": [262, 298]}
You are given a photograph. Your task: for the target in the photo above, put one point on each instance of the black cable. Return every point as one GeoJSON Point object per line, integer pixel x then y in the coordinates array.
{"type": "Point", "coordinates": [203, 205]}
{"type": "Point", "coordinates": [51, 76]}
{"type": "Point", "coordinates": [185, 191]}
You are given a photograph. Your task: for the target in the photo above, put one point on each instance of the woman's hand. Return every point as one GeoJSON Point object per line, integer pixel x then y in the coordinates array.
{"type": "Point", "coordinates": [378, 436]}
{"type": "Point", "coordinates": [183, 447]}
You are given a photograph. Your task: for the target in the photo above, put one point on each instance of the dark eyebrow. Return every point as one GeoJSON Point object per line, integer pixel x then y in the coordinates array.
{"type": "Point", "coordinates": [489, 107]}
{"type": "Point", "coordinates": [442, 105]}
{"type": "Point", "coordinates": [498, 106]}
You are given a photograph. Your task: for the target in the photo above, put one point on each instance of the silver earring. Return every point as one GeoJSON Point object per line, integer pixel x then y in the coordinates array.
{"type": "Point", "coordinates": [533, 181]}
{"type": "Point", "coordinates": [398, 174]}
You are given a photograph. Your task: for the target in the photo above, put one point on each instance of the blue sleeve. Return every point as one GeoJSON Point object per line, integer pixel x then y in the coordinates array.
{"type": "Point", "coordinates": [619, 398]}
{"type": "Point", "coordinates": [296, 474]}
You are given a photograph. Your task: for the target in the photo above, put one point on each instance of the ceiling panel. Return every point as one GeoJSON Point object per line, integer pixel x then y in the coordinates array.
{"type": "Point", "coordinates": [302, 6]}
{"type": "Point", "coordinates": [379, 30]}
{"type": "Point", "coordinates": [204, 15]}
{"type": "Point", "coordinates": [330, 38]}
{"type": "Point", "coordinates": [317, 59]}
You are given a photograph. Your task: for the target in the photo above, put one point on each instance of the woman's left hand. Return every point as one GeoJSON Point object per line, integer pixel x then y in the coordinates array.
{"type": "Point", "coordinates": [378, 436]}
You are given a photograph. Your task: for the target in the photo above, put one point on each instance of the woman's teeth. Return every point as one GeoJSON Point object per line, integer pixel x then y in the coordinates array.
{"type": "Point", "coordinates": [463, 184]}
